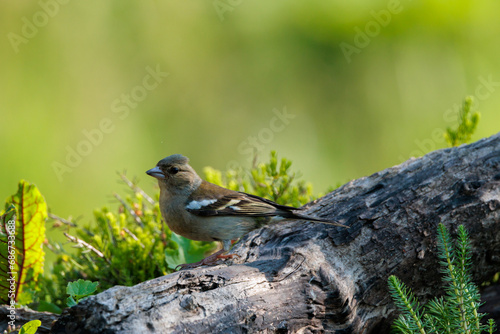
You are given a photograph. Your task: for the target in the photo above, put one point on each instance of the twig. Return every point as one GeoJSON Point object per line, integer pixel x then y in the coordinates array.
{"type": "Point", "coordinates": [136, 188]}
{"type": "Point", "coordinates": [129, 209]}
{"type": "Point", "coordinates": [86, 245]}
{"type": "Point", "coordinates": [62, 220]}
{"type": "Point", "coordinates": [133, 236]}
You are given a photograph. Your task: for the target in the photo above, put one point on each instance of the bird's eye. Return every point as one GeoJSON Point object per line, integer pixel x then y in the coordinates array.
{"type": "Point", "coordinates": [173, 170]}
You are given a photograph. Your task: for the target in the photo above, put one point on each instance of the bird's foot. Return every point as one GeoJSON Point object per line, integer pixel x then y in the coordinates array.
{"type": "Point", "coordinates": [208, 261]}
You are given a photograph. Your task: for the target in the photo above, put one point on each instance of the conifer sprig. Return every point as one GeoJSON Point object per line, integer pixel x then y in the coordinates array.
{"type": "Point", "coordinates": [457, 311]}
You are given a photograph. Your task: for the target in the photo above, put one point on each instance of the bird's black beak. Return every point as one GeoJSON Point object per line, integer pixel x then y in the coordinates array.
{"type": "Point", "coordinates": [156, 172]}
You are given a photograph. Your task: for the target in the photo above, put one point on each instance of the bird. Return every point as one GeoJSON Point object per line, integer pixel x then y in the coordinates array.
{"type": "Point", "coordinates": [199, 210]}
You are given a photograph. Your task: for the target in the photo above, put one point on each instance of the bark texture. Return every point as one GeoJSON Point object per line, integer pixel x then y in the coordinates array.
{"type": "Point", "coordinates": [302, 277]}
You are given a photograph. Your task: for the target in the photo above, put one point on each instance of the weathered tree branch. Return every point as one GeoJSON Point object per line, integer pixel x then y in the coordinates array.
{"type": "Point", "coordinates": [314, 278]}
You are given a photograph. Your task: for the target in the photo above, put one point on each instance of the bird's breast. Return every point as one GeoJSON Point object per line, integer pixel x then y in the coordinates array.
{"type": "Point", "coordinates": [216, 228]}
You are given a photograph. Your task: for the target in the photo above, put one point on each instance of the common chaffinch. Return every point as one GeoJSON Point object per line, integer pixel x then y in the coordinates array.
{"type": "Point", "coordinates": [200, 210]}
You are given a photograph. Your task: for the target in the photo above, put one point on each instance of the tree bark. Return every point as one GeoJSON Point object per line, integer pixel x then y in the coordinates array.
{"type": "Point", "coordinates": [303, 277]}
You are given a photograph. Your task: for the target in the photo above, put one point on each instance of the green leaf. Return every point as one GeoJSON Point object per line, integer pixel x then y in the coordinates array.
{"type": "Point", "coordinates": [70, 301]}
{"type": "Point", "coordinates": [26, 296]}
{"type": "Point", "coordinates": [78, 290]}
{"type": "Point", "coordinates": [30, 327]}
{"type": "Point", "coordinates": [188, 251]}
{"type": "Point", "coordinates": [23, 233]}
{"type": "Point", "coordinates": [81, 288]}
{"type": "Point", "coordinates": [176, 256]}
{"type": "Point", "coordinates": [7, 226]}
{"type": "Point", "coordinates": [44, 306]}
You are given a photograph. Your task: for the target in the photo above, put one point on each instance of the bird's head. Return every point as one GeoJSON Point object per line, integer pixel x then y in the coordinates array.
{"type": "Point", "coordinates": [175, 175]}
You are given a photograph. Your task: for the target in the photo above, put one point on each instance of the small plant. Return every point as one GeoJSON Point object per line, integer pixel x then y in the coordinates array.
{"type": "Point", "coordinates": [22, 232]}
{"type": "Point", "coordinates": [28, 328]}
{"type": "Point", "coordinates": [457, 311]}
{"type": "Point", "coordinates": [78, 290]}
{"type": "Point", "coordinates": [467, 124]}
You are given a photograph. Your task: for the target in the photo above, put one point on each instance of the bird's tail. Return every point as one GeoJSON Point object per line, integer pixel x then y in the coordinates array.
{"type": "Point", "coordinates": [316, 219]}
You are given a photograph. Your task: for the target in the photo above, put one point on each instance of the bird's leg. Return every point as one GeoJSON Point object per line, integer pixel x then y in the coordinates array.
{"type": "Point", "coordinates": [208, 261]}
{"type": "Point", "coordinates": [211, 259]}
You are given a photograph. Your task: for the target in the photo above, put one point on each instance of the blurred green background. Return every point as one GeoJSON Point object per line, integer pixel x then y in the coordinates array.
{"type": "Point", "coordinates": [342, 88]}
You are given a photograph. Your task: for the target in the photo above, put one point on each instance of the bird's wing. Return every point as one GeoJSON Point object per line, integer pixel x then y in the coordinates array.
{"type": "Point", "coordinates": [231, 205]}
{"type": "Point", "coordinates": [212, 200]}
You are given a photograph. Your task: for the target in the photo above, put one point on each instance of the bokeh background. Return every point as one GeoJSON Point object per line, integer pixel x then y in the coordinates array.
{"type": "Point", "coordinates": [342, 88]}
